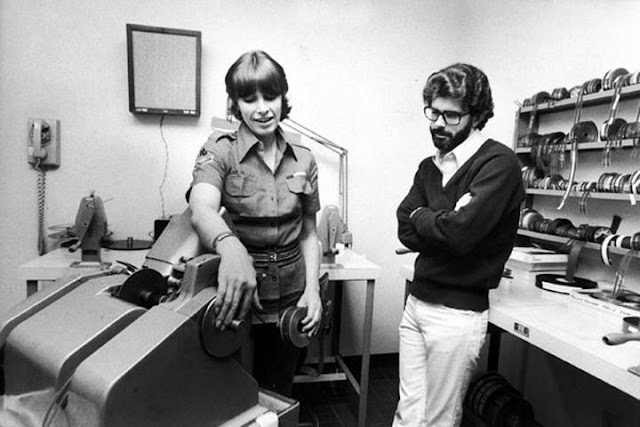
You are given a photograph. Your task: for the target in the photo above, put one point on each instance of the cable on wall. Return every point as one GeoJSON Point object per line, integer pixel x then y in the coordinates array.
{"type": "Point", "coordinates": [166, 165]}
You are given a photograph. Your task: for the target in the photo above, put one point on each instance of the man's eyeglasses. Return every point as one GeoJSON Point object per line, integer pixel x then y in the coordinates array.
{"type": "Point", "coordinates": [450, 117]}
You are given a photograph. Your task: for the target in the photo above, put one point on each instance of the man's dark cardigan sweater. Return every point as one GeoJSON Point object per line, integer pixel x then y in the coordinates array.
{"type": "Point", "coordinates": [462, 253]}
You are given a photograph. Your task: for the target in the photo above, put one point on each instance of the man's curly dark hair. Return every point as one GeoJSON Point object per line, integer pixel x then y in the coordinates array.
{"type": "Point", "coordinates": [464, 82]}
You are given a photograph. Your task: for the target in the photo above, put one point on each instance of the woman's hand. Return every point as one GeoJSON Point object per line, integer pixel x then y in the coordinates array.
{"type": "Point", "coordinates": [236, 282]}
{"type": "Point", "coordinates": [310, 247]}
{"type": "Point", "coordinates": [311, 322]}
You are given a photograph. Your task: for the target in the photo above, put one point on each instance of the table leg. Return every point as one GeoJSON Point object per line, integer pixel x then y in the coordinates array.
{"type": "Point", "coordinates": [32, 287]}
{"type": "Point", "coordinates": [337, 317]}
{"type": "Point", "coordinates": [493, 357]}
{"type": "Point", "coordinates": [366, 353]}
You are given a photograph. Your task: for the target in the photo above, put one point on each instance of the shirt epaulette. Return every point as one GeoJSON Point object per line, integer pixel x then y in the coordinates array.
{"type": "Point", "coordinates": [300, 151]}
{"type": "Point", "coordinates": [231, 136]}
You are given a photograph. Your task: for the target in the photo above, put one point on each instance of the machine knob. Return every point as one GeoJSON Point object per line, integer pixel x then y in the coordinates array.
{"type": "Point", "coordinates": [218, 342]}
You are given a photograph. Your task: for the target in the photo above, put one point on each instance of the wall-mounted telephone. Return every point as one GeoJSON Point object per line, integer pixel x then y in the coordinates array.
{"type": "Point", "coordinates": [43, 144]}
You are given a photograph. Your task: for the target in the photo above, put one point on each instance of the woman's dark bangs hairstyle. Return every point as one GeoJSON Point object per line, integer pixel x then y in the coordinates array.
{"type": "Point", "coordinates": [464, 82]}
{"type": "Point", "coordinates": [256, 71]}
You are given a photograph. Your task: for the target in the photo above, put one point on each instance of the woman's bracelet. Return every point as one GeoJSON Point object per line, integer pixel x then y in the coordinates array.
{"type": "Point", "coordinates": [219, 238]}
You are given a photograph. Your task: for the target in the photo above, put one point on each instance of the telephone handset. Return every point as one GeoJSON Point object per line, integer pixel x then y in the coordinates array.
{"type": "Point", "coordinates": [43, 146]}
{"type": "Point", "coordinates": [40, 137]}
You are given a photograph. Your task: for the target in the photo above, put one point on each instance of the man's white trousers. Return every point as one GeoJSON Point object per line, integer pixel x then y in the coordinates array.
{"type": "Point", "coordinates": [439, 351]}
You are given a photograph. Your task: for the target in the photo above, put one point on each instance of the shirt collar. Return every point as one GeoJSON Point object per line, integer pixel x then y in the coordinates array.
{"type": "Point", "coordinates": [465, 150]}
{"type": "Point", "coordinates": [247, 140]}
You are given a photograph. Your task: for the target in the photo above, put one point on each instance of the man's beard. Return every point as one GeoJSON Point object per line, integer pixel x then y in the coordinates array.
{"type": "Point", "coordinates": [447, 141]}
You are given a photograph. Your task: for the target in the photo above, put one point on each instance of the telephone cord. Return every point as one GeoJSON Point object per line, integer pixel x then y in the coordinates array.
{"type": "Point", "coordinates": [41, 185]}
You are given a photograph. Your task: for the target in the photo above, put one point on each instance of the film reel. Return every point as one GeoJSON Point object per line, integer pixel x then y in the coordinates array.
{"type": "Point", "coordinates": [290, 326]}
{"type": "Point", "coordinates": [144, 288]}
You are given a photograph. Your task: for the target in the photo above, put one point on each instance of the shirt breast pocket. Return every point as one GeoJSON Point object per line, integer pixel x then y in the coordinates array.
{"type": "Point", "coordinates": [299, 184]}
{"type": "Point", "coordinates": [240, 185]}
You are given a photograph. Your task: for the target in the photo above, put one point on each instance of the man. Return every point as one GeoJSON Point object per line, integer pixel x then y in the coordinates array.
{"type": "Point", "coordinates": [461, 215]}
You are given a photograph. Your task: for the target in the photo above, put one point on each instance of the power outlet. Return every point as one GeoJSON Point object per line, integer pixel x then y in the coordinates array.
{"type": "Point", "coordinates": [43, 142]}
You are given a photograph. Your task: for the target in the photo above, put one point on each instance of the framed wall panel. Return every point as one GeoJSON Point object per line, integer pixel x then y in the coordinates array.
{"type": "Point", "coordinates": [164, 70]}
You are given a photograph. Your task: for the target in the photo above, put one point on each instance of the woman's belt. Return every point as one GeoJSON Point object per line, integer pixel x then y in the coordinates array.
{"type": "Point", "coordinates": [281, 256]}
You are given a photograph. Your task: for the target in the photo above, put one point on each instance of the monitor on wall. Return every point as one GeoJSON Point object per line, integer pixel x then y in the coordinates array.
{"type": "Point", "coordinates": [164, 70]}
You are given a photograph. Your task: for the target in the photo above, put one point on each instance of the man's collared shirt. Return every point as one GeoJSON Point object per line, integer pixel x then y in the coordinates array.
{"type": "Point", "coordinates": [449, 163]}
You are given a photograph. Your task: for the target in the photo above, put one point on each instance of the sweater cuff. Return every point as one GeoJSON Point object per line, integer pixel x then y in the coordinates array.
{"type": "Point", "coordinates": [416, 216]}
{"type": "Point", "coordinates": [413, 212]}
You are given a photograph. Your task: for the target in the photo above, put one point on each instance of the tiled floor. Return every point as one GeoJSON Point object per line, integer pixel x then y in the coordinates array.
{"type": "Point", "coordinates": [335, 404]}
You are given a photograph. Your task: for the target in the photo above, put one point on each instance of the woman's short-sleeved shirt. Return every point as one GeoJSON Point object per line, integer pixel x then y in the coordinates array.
{"type": "Point", "coordinates": [266, 207]}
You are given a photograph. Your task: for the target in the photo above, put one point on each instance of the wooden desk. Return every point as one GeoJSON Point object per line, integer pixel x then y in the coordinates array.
{"type": "Point", "coordinates": [562, 326]}
{"type": "Point", "coordinates": [349, 266]}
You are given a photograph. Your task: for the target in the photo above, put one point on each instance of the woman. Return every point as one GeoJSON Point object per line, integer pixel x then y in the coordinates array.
{"type": "Point", "coordinates": [268, 186]}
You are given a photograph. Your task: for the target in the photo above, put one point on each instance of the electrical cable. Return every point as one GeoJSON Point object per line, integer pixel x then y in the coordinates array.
{"type": "Point", "coordinates": [56, 403]}
{"type": "Point", "coordinates": [166, 165]}
{"type": "Point", "coordinates": [620, 273]}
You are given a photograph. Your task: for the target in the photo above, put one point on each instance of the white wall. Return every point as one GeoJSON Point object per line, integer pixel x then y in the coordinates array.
{"type": "Point", "coordinates": [355, 68]}
{"type": "Point", "coordinates": [356, 71]}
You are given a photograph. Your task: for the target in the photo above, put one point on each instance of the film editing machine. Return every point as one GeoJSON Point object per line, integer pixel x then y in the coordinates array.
{"type": "Point", "coordinates": [121, 348]}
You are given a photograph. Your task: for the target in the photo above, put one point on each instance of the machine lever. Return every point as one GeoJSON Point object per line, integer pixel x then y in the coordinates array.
{"type": "Point", "coordinates": [132, 268]}
{"type": "Point", "coordinates": [620, 338]}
